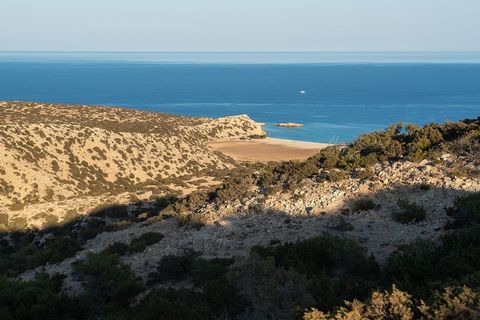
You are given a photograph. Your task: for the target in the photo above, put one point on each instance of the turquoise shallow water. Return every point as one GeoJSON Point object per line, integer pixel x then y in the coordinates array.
{"type": "Point", "coordinates": [346, 94]}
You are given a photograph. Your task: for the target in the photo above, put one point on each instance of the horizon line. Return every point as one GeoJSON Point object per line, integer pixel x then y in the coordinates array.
{"type": "Point", "coordinates": [241, 51]}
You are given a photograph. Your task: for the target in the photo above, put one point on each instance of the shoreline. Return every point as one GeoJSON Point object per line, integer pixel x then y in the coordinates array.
{"type": "Point", "coordinates": [268, 149]}
{"type": "Point", "coordinates": [294, 143]}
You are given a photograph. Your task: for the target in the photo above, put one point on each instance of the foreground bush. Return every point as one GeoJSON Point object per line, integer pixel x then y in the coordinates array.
{"type": "Point", "coordinates": [423, 268]}
{"type": "Point", "coordinates": [39, 298]}
{"type": "Point", "coordinates": [466, 211]}
{"type": "Point", "coordinates": [107, 280]}
{"type": "Point", "coordinates": [210, 275]}
{"type": "Point", "coordinates": [272, 292]}
{"type": "Point", "coordinates": [336, 269]}
{"type": "Point", "coordinates": [452, 303]}
{"type": "Point", "coordinates": [168, 304]}
{"type": "Point", "coordinates": [431, 281]}
{"type": "Point", "coordinates": [22, 254]}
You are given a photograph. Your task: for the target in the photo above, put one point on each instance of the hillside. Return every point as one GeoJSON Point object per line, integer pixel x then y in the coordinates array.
{"type": "Point", "coordinates": [386, 227]}
{"type": "Point", "coordinates": [62, 153]}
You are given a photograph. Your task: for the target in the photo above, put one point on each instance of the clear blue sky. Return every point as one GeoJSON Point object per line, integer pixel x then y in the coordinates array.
{"type": "Point", "coordinates": [240, 25]}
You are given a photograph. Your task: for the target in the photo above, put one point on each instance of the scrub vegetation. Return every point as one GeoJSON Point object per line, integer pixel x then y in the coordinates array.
{"type": "Point", "coordinates": [325, 276]}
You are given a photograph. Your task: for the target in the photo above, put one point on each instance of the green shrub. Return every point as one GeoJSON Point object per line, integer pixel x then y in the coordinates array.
{"type": "Point", "coordinates": [174, 268]}
{"type": "Point", "coordinates": [338, 269]}
{"type": "Point", "coordinates": [466, 211]}
{"type": "Point", "coordinates": [328, 158]}
{"type": "Point", "coordinates": [373, 148]}
{"type": "Point", "coordinates": [336, 176]}
{"type": "Point", "coordinates": [363, 204]}
{"type": "Point", "coordinates": [107, 280]}
{"type": "Point", "coordinates": [177, 268]}
{"type": "Point", "coordinates": [410, 212]}
{"type": "Point", "coordinates": [272, 292]}
{"type": "Point", "coordinates": [39, 298]}
{"type": "Point", "coordinates": [286, 175]}
{"type": "Point", "coordinates": [93, 227]}
{"type": "Point", "coordinates": [119, 248]}
{"type": "Point", "coordinates": [114, 211]}
{"type": "Point", "coordinates": [147, 239]}
{"type": "Point", "coordinates": [209, 275]}
{"type": "Point", "coordinates": [26, 255]}
{"type": "Point", "coordinates": [204, 270]}
{"type": "Point", "coordinates": [366, 174]}
{"type": "Point", "coordinates": [167, 304]}
{"type": "Point", "coordinates": [424, 267]}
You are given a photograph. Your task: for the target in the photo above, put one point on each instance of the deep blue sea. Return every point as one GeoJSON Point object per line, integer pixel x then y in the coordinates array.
{"type": "Point", "coordinates": [346, 94]}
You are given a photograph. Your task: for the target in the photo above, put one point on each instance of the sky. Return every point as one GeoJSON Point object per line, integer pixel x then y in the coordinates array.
{"type": "Point", "coordinates": [240, 25]}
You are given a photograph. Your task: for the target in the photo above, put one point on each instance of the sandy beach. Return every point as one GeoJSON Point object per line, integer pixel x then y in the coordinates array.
{"type": "Point", "coordinates": [268, 149]}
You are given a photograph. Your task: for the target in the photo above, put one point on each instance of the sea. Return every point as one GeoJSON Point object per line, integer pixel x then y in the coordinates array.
{"type": "Point", "coordinates": [337, 96]}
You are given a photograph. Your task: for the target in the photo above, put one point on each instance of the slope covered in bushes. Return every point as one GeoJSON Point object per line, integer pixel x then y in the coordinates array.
{"type": "Point", "coordinates": [310, 278]}
{"type": "Point", "coordinates": [323, 277]}
{"type": "Point", "coordinates": [398, 142]}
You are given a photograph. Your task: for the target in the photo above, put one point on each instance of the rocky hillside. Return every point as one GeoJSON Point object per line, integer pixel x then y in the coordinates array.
{"type": "Point", "coordinates": [54, 153]}
{"type": "Point", "coordinates": [383, 228]}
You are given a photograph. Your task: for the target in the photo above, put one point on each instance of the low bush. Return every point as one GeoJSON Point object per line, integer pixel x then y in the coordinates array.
{"type": "Point", "coordinates": [93, 227]}
{"type": "Point", "coordinates": [39, 298]}
{"type": "Point", "coordinates": [147, 239]}
{"type": "Point", "coordinates": [119, 248]}
{"type": "Point", "coordinates": [410, 212]}
{"type": "Point", "coordinates": [174, 268]}
{"type": "Point", "coordinates": [204, 270]}
{"type": "Point", "coordinates": [466, 211]}
{"type": "Point", "coordinates": [272, 292]}
{"type": "Point", "coordinates": [168, 304]}
{"type": "Point", "coordinates": [423, 268]}
{"type": "Point", "coordinates": [336, 175]}
{"type": "Point", "coordinates": [115, 211]}
{"type": "Point", "coordinates": [106, 280]}
{"type": "Point", "coordinates": [189, 265]}
{"type": "Point", "coordinates": [337, 269]}
{"type": "Point", "coordinates": [363, 204]}
{"type": "Point", "coordinates": [219, 294]}
{"type": "Point", "coordinates": [24, 254]}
